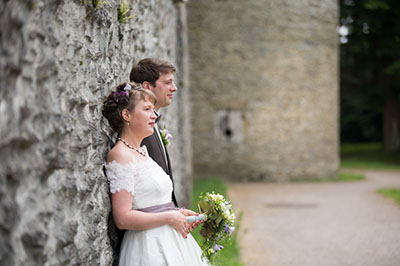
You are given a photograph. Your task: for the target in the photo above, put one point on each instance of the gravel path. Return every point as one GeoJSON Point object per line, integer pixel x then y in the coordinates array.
{"type": "Point", "coordinates": [321, 224]}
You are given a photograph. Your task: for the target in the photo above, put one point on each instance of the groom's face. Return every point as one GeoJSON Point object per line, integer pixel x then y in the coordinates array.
{"type": "Point", "coordinates": [164, 90]}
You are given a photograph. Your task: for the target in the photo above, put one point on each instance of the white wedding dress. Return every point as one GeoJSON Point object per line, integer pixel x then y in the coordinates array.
{"type": "Point", "coordinates": [150, 186]}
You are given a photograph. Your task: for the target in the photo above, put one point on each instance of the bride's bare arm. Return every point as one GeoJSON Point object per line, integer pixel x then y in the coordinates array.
{"type": "Point", "coordinates": [126, 218]}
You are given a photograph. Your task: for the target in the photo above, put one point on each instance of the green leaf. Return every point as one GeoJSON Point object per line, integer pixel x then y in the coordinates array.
{"type": "Point", "coordinates": [376, 4]}
{"type": "Point", "coordinates": [218, 220]}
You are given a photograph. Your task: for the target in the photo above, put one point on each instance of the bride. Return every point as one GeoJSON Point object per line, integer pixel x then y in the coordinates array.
{"type": "Point", "coordinates": [157, 233]}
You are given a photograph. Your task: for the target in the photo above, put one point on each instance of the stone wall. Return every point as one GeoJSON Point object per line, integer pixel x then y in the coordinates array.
{"type": "Point", "coordinates": [264, 80]}
{"type": "Point", "coordinates": [58, 61]}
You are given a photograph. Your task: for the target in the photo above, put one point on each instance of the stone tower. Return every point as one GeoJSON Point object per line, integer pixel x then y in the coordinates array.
{"type": "Point", "coordinates": [264, 87]}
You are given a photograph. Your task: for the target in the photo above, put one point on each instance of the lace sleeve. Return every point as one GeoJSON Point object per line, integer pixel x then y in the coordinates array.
{"type": "Point", "coordinates": [120, 177]}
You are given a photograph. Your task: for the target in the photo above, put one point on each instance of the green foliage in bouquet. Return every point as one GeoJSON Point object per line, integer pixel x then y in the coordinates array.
{"type": "Point", "coordinates": [230, 255]}
{"type": "Point", "coordinates": [218, 227]}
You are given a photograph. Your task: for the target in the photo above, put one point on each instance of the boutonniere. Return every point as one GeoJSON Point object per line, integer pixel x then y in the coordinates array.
{"type": "Point", "coordinates": [166, 137]}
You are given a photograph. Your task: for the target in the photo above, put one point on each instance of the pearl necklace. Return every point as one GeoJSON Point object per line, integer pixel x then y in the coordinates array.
{"type": "Point", "coordinates": [133, 148]}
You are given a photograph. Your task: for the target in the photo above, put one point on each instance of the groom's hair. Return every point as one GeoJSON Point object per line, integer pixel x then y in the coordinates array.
{"type": "Point", "coordinates": [150, 69]}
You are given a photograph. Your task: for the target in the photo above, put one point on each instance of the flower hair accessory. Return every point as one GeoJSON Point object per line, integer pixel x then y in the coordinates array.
{"type": "Point", "coordinates": [121, 93]}
{"type": "Point", "coordinates": [127, 87]}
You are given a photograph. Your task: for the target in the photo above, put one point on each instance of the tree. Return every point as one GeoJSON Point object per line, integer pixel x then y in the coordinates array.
{"type": "Point", "coordinates": [370, 71]}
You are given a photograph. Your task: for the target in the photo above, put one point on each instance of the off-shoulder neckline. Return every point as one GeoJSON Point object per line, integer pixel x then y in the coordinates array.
{"type": "Point", "coordinates": [130, 163]}
{"type": "Point", "coordinates": [114, 162]}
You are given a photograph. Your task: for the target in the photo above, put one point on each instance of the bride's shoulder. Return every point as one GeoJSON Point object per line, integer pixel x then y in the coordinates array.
{"type": "Point", "coordinates": [121, 156]}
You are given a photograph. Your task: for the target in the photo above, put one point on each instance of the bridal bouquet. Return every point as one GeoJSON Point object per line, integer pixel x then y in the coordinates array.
{"type": "Point", "coordinates": [218, 224]}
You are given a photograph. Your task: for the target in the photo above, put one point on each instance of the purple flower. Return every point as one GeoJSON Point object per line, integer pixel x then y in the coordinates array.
{"type": "Point", "coordinates": [120, 96]}
{"type": "Point", "coordinates": [229, 229]}
{"type": "Point", "coordinates": [217, 247]}
{"type": "Point", "coordinates": [169, 136]}
{"type": "Point", "coordinates": [121, 93]}
{"type": "Point", "coordinates": [226, 227]}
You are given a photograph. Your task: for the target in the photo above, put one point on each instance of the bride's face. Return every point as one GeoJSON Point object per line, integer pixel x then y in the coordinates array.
{"type": "Point", "coordinates": [143, 118]}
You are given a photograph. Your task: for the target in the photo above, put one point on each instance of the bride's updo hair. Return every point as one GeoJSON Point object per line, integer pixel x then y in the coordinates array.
{"type": "Point", "coordinates": [124, 96]}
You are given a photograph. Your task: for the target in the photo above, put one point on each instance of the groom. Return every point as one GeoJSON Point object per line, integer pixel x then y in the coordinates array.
{"type": "Point", "coordinates": [157, 76]}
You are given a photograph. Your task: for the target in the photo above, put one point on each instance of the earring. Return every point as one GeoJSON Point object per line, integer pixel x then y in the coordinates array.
{"type": "Point", "coordinates": [128, 123]}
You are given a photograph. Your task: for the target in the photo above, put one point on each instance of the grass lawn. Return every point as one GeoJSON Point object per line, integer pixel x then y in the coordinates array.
{"type": "Point", "coordinates": [368, 156]}
{"type": "Point", "coordinates": [229, 256]}
{"type": "Point", "coordinates": [392, 193]}
{"type": "Point", "coordinates": [371, 156]}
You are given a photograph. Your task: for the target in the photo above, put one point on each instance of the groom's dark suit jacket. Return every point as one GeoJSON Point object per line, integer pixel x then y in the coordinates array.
{"type": "Point", "coordinates": [155, 149]}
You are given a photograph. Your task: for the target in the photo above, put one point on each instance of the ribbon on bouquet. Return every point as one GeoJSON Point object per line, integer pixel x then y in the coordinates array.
{"type": "Point", "coordinates": [200, 217]}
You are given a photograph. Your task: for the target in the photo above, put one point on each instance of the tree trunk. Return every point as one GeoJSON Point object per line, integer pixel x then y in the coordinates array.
{"type": "Point", "coordinates": [391, 120]}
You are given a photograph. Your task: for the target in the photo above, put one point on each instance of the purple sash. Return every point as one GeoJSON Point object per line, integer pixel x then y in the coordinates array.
{"type": "Point", "coordinates": [170, 206]}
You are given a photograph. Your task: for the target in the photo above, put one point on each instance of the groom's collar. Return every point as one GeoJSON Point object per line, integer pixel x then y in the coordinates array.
{"type": "Point", "coordinates": [159, 115]}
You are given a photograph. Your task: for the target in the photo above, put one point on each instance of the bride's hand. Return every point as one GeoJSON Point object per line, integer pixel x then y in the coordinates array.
{"type": "Point", "coordinates": [186, 212]}
{"type": "Point", "coordinates": [178, 221]}
{"type": "Point", "coordinates": [193, 225]}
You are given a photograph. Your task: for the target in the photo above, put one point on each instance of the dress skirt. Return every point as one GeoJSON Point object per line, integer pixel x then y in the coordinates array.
{"type": "Point", "coordinates": [158, 247]}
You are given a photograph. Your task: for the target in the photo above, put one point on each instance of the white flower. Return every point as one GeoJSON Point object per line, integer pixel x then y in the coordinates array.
{"type": "Point", "coordinates": [226, 214]}
{"type": "Point", "coordinates": [224, 207]}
